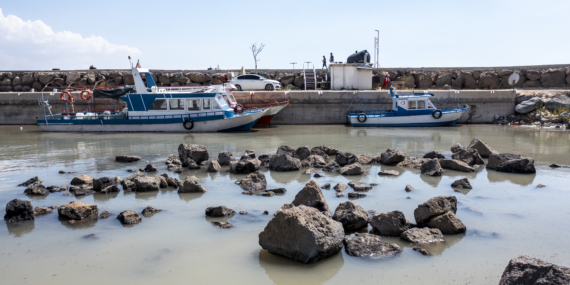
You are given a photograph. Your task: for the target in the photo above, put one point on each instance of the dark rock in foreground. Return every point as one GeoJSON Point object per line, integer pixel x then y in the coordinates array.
{"type": "Point", "coordinates": [409, 188]}
{"type": "Point", "coordinates": [196, 152]}
{"type": "Point", "coordinates": [389, 223]}
{"type": "Point", "coordinates": [19, 210]}
{"type": "Point", "coordinates": [37, 190]}
{"type": "Point", "coordinates": [454, 164]}
{"type": "Point", "coordinates": [190, 185]}
{"type": "Point", "coordinates": [358, 186]}
{"type": "Point", "coordinates": [352, 169]}
{"type": "Point", "coordinates": [352, 216]}
{"type": "Point", "coordinates": [254, 182]}
{"type": "Point", "coordinates": [213, 166]}
{"type": "Point", "coordinates": [284, 162]}
{"type": "Point", "coordinates": [431, 168]}
{"type": "Point", "coordinates": [104, 215]}
{"type": "Point", "coordinates": [508, 162]}
{"type": "Point", "coordinates": [127, 158]}
{"type": "Point", "coordinates": [31, 181]}
{"type": "Point", "coordinates": [245, 165]}
{"type": "Point", "coordinates": [368, 245]}
{"type": "Point", "coordinates": [303, 234]}
{"type": "Point", "coordinates": [524, 269]}
{"type": "Point", "coordinates": [311, 196]}
{"type": "Point", "coordinates": [149, 210]}
{"type": "Point", "coordinates": [225, 157]}
{"type": "Point", "coordinates": [392, 157]}
{"type": "Point", "coordinates": [482, 148]}
{"type": "Point", "coordinates": [345, 158]}
{"type": "Point", "coordinates": [219, 211]}
{"type": "Point", "coordinates": [469, 156]}
{"type": "Point", "coordinates": [129, 217]}
{"type": "Point", "coordinates": [354, 195]}
{"type": "Point", "coordinates": [422, 235]}
{"type": "Point", "coordinates": [78, 211]}
{"type": "Point", "coordinates": [447, 223]}
{"type": "Point", "coordinates": [434, 207]}
{"type": "Point", "coordinates": [222, 225]}
{"type": "Point", "coordinates": [461, 184]}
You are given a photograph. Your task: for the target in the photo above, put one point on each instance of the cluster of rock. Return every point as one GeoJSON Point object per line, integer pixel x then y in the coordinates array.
{"type": "Point", "coordinates": [545, 109]}
{"type": "Point", "coordinates": [524, 269]}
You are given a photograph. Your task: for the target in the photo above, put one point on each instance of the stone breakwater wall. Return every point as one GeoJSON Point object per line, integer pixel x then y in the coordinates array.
{"type": "Point", "coordinates": [545, 76]}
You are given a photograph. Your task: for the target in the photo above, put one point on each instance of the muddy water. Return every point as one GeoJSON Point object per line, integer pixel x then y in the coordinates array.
{"type": "Point", "coordinates": [505, 214]}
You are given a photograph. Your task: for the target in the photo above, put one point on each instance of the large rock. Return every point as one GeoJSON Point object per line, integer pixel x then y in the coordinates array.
{"type": "Point", "coordinates": [78, 211]}
{"type": "Point", "coordinates": [213, 166]}
{"type": "Point", "coordinates": [482, 148]}
{"type": "Point", "coordinates": [389, 223]}
{"type": "Point", "coordinates": [45, 78]}
{"type": "Point", "coordinates": [367, 245]}
{"type": "Point", "coordinates": [447, 223]}
{"type": "Point", "coordinates": [39, 211]}
{"type": "Point", "coordinates": [434, 207]}
{"type": "Point", "coordinates": [351, 215]}
{"type": "Point", "coordinates": [443, 79]}
{"type": "Point", "coordinates": [246, 165]}
{"type": "Point", "coordinates": [392, 157]}
{"type": "Point", "coordinates": [27, 80]}
{"type": "Point", "coordinates": [254, 182]}
{"type": "Point", "coordinates": [129, 217]}
{"type": "Point", "coordinates": [345, 158]}
{"type": "Point", "coordinates": [303, 234]}
{"type": "Point", "coordinates": [146, 183]}
{"type": "Point", "coordinates": [461, 184]}
{"type": "Point", "coordinates": [365, 159]}
{"type": "Point", "coordinates": [31, 181]}
{"type": "Point", "coordinates": [82, 180]}
{"type": "Point", "coordinates": [464, 81]}
{"type": "Point", "coordinates": [104, 182]}
{"type": "Point", "coordinates": [488, 81]}
{"type": "Point", "coordinates": [532, 84]}
{"type": "Point", "coordinates": [312, 196]}
{"type": "Point", "coordinates": [469, 156]}
{"type": "Point", "coordinates": [553, 78]}
{"type": "Point", "coordinates": [558, 102]}
{"type": "Point", "coordinates": [352, 169]}
{"type": "Point", "coordinates": [37, 190]}
{"type": "Point", "coordinates": [190, 185]}
{"type": "Point", "coordinates": [523, 97]}
{"type": "Point", "coordinates": [422, 235]}
{"type": "Point", "coordinates": [456, 147]}
{"type": "Point", "coordinates": [199, 77]}
{"type": "Point", "coordinates": [339, 187]}
{"type": "Point", "coordinates": [524, 269]}
{"type": "Point", "coordinates": [127, 158]}
{"type": "Point", "coordinates": [302, 152]}
{"type": "Point", "coordinates": [434, 154]}
{"type": "Point", "coordinates": [525, 165]}
{"type": "Point", "coordinates": [454, 164]}
{"type": "Point", "coordinates": [285, 150]}
{"type": "Point", "coordinates": [19, 210]}
{"type": "Point", "coordinates": [225, 157]}
{"type": "Point", "coordinates": [316, 161]}
{"type": "Point", "coordinates": [359, 186]}
{"type": "Point", "coordinates": [431, 167]}
{"type": "Point", "coordinates": [423, 80]}
{"type": "Point", "coordinates": [497, 159]}
{"type": "Point", "coordinates": [219, 211]}
{"type": "Point", "coordinates": [196, 152]}
{"type": "Point", "coordinates": [533, 74]}
{"type": "Point", "coordinates": [529, 105]}
{"type": "Point", "coordinates": [284, 162]}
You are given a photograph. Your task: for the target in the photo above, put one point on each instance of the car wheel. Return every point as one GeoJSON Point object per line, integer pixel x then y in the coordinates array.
{"type": "Point", "coordinates": [238, 87]}
{"type": "Point", "coordinates": [269, 87]}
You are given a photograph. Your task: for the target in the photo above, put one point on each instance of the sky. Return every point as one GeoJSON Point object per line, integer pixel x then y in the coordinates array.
{"type": "Point", "coordinates": [41, 35]}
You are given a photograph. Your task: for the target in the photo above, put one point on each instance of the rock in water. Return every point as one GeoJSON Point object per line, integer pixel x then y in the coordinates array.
{"type": "Point", "coordinates": [219, 211]}
{"type": "Point", "coordinates": [222, 225]}
{"type": "Point", "coordinates": [482, 148]}
{"type": "Point", "coordinates": [326, 186]}
{"type": "Point", "coordinates": [461, 184]}
{"type": "Point", "coordinates": [303, 234]}
{"type": "Point", "coordinates": [434, 154]}
{"type": "Point", "coordinates": [311, 196]}
{"type": "Point", "coordinates": [254, 182]}
{"type": "Point", "coordinates": [213, 166]}
{"type": "Point", "coordinates": [225, 157]}
{"type": "Point", "coordinates": [37, 190]}
{"type": "Point", "coordinates": [82, 180]}
{"type": "Point", "coordinates": [422, 235]}
{"type": "Point", "coordinates": [389, 173]}
{"type": "Point", "coordinates": [434, 207]}
{"type": "Point", "coordinates": [249, 153]}
{"type": "Point", "coordinates": [352, 169]}
{"type": "Point", "coordinates": [38, 211]}
{"type": "Point", "coordinates": [469, 156]}
{"type": "Point", "coordinates": [422, 251]}
{"type": "Point", "coordinates": [354, 195]}
{"type": "Point", "coordinates": [447, 223]}
{"type": "Point", "coordinates": [409, 188]}
{"type": "Point", "coordinates": [431, 168]}
{"type": "Point", "coordinates": [345, 158]}
{"type": "Point", "coordinates": [196, 152]}
{"type": "Point", "coordinates": [524, 269]}
{"type": "Point", "coordinates": [104, 215]}
{"type": "Point", "coordinates": [525, 165]}
{"type": "Point", "coordinates": [78, 211]}
{"type": "Point", "coordinates": [19, 210]}
{"type": "Point", "coordinates": [352, 216]}
{"type": "Point", "coordinates": [284, 162]}
{"type": "Point", "coordinates": [285, 150]}
{"type": "Point", "coordinates": [454, 164]}
{"type": "Point", "coordinates": [456, 147]}
{"type": "Point", "coordinates": [127, 158]}
{"type": "Point", "coordinates": [302, 153]}
{"type": "Point", "coordinates": [149, 210]}
{"type": "Point", "coordinates": [129, 217]}
{"type": "Point", "coordinates": [277, 190]}
{"type": "Point", "coordinates": [190, 185]}
{"type": "Point", "coordinates": [31, 181]}
{"type": "Point", "coordinates": [357, 186]}
{"type": "Point", "coordinates": [368, 245]}
{"type": "Point", "coordinates": [392, 157]}
{"type": "Point", "coordinates": [365, 159]}
{"type": "Point", "coordinates": [146, 183]}
{"type": "Point", "coordinates": [389, 223]}
{"type": "Point", "coordinates": [339, 187]}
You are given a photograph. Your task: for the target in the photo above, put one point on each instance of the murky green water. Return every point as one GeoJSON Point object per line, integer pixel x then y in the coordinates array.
{"type": "Point", "coordinates": [505, 214]}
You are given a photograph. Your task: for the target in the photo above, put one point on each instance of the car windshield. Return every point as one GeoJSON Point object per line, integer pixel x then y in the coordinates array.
{"type": "Point", "coordinates": [262, 77]}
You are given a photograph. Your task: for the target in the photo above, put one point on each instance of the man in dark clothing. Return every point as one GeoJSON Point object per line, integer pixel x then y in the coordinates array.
{"type": "Point", "coordinates": [324, 62]}
{"type": "Point", "coordinates": [332, 58]}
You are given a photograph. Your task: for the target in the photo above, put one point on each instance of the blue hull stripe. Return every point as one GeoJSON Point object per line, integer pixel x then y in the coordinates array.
{"type": "Point", "coordinates": [245, 127]}
{"type": "Point", "coordinates": [408, 125]}
{"type": "Point", "coordinates": [128, 121]}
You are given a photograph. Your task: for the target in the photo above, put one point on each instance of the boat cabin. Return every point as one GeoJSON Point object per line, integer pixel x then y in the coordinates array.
{"type": "Point", "coordinates": [411, 102]}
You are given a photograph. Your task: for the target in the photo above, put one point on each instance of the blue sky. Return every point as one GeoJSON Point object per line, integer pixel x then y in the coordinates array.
{"type": "Point", "coordinates": [38, 35]}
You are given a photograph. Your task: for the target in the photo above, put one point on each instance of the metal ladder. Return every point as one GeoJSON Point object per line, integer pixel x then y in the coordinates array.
{"type": "Point", "coordinates": [310, 78]}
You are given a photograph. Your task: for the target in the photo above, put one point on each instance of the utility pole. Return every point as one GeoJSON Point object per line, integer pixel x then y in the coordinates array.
{"type": "Point", "coordinates": [376, 49]}
{"type": "Point", "coordinates": [293, 63]}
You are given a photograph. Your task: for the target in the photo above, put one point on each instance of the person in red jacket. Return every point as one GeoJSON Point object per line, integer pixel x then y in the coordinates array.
{"type": "Point", "coordinates": [324, 62]}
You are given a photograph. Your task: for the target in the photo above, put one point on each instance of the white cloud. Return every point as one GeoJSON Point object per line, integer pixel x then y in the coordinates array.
{"type": "Point", "coordinates": [33, 45]}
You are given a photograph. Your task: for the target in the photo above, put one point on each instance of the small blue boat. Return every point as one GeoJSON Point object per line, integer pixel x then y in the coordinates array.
{"type": "Point", "coordinates": [157, 109]}
{"type": "Point", "coordinates": [408, 110]}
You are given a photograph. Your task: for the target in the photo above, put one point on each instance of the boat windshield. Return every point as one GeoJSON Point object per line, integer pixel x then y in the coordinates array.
{"type": "Point", "coordinates": [227, 99]}
{"type": "Point", "coordinates": [221, 102]}
{"type": "Point", "coordinates": [230, 99]}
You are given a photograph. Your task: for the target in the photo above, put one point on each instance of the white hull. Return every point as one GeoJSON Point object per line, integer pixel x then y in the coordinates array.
{"type": "Point", "coordinates": [421, 120]}
{"type": "Point", "coordinates": [204, 126]}
{"type": "Point", "coordinates": [274, 110]}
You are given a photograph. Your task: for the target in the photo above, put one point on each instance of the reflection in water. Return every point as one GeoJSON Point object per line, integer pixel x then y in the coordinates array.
{"type": "Point", "coordinates": [431, 180]}
{"type": "Point", "coordinates": [462, 191]}
{"type": "Point", "coordinates": [76, 226]}
{"type": "Point", "coordinates": [520, 179]}
{"type": "Point", "coordinates": [150, 195]}
{"type": "Point", "coordinates": [435, 248]}
{"type": "Point", "coordinates": [282, 270]}
{"type": "Point", "coordinates": [20, 228]}
{"type": "Point", "coordinates": [187, 197]}
{"type": "Point", "coordinates": [461, 174]}
{"type": "Point", "coordinates": [98, 197]}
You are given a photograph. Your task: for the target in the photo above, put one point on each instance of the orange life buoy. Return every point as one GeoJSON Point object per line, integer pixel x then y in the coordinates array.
{"type": "Point", "coordinates": [85, 92]}
{"type": "Point", "coordinates": [64, 99]}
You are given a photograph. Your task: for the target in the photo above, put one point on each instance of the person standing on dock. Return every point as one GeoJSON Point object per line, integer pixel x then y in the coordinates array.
{"type": "Point", "coordinates": [331, 60]}
{"type": "Point", "coordinates": [324, 62]}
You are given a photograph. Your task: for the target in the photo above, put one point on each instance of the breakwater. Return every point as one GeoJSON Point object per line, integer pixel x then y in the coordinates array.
{"type": "Point", "coordinates": [543, 76]}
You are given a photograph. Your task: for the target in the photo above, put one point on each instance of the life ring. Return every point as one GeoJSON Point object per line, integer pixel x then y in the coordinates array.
{"type": "Point", "coordinates": [85, 92]}
{"type": "Point", "coordinates": [362, 115]}
{"type": "Point", "coordinates": [191, 124]}
{"type": "Point", "coordinates": [64, 99]}
{"type": "Point", "coordinates": [436, 114]}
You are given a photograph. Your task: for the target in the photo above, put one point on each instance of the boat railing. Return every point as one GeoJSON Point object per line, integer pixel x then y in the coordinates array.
{"type": "Point", "coordinates": [368, 112]}
{"type": "Point", "coordinates": [181, 89]}
{"type": "Point", "coordinates": [123, 117]}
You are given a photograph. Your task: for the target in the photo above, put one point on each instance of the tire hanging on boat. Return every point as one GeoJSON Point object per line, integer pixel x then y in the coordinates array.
{"type": "Point", "coordinates": [186, 122]}
{"type": "Point", "coordinates": [436, 114]}
{"type": "Point", "coordinates": [363, 116]}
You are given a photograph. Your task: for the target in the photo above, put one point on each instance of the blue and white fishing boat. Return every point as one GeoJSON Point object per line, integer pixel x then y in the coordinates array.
{"type": "Point", "coordinates": [157, 109]}
{"type": "Point", "coordinates": [408, 110]}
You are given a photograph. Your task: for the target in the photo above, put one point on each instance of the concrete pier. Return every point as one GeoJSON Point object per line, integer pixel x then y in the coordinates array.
{"type": "Point", "coordinates": [307, 107]}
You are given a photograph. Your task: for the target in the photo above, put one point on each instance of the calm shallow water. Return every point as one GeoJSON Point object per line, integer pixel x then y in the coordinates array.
{"type": "Point", "coordinates": [505, 214]}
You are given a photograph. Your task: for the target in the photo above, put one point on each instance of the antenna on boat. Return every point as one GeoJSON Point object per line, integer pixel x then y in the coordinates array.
{"type": "Point", "coordinates": [130, 61]}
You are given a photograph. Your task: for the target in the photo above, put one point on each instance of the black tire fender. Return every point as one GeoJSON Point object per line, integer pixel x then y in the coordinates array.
{"type": "Point", "coordinates": [436, 114]}
{"type": "Point", "coordinates": [186, 122]}
{"type": "Point", "coordinates": [362, 115]}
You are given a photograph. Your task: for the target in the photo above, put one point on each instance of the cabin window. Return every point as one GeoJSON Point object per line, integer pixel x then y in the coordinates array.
{"type": "Point", "coordinates": [421, 105]}
{"type": "Point", "coordinates": [194, 104]}
{"type": "Point", "coordinates": [158, 104]}
{"type": "Point", "coordinates": [176, 104]}
{"type": "Point", "coordinates": [207, 105]}
{"type": "Point", "coordinates": [227, 99]}
{"type": "Point", "coordinates": [430, 106]}
{"type": "Point", "coordinates": [411, 105]}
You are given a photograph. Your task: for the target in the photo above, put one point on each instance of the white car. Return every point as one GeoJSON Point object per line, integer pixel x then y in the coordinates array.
{"type": "Point", "coordinates": [254, 82]}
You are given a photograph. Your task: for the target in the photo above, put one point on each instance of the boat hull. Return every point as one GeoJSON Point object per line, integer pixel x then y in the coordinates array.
{"type": "Point", "coordinates": [266, 119]}
{"type": "Point", "coordinates": [407, 121]}
{"type": "Point", "coordinates": [238, 123]}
